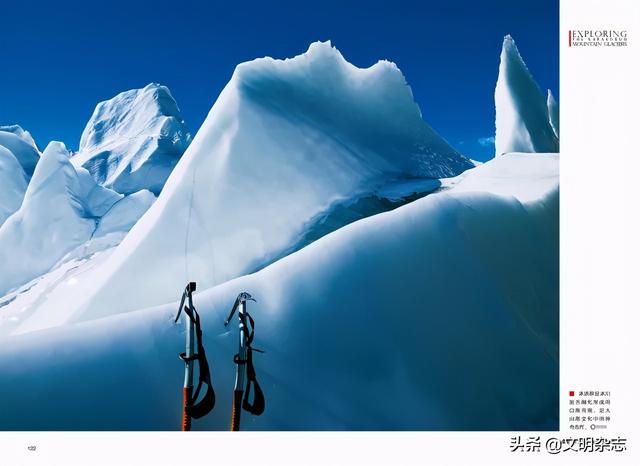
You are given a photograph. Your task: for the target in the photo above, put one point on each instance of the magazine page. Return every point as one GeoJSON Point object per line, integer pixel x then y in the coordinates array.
{"type": "Point", "coordinates": [338, 233]}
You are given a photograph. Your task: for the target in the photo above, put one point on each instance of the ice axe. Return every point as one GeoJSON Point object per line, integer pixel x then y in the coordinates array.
{"type": "Point", "coordinates": [190, 409]}
{"type": "Point", "coordinates": [245, 371]}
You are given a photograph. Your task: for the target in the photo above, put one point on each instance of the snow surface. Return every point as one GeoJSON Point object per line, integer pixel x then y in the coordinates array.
{"type": "Point", "coordinates": [62, 209]}
{"type": "Point", "coordinates": [403, 320]}
{"type": "Point", "coordinates": [13, 184]}
{"type": "Point", "coordinates": [26, 301]}
{"type": "Point", "coordinates": [554, 116]}
{"type": "Point", "coordinates": [540, 172]}
{"type": "Point", "coordinates": [285, 141]}
{"type": "Point", "coordinates": [134, 140]}
{"type": "Point", "coordinates": [522, 119]}
{"type": "Point", "coordinates": [48, 301]}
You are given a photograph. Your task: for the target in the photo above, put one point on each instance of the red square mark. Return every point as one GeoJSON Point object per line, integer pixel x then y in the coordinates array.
{"type": "Point", "coordinates": [572, 393]}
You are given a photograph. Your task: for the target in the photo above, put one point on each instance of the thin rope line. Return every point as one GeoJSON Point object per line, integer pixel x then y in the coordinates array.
{"type": "Point", "coordinates": [186, 237]}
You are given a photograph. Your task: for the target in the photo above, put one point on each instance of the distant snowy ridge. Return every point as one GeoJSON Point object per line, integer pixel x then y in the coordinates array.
{"type": "Point", "coordinates": [399, 321]}
{"type": "Point", "coordinates": [134, 140]}
{"type": "Point", "coordinates": [285, 140]}
{"type": "Point", "coordinates": [523, 120]}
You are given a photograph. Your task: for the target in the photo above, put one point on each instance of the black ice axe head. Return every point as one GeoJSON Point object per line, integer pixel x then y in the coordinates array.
{"type": "Point", "coordinates": [190, 288]}
{"type": "Point", "coordinates": [242, 298]}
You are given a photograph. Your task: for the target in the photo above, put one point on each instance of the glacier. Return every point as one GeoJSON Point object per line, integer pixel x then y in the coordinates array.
{"type": "Point", "coordinates": [400, 321]}
{"type": "Point", "coordinates": [134, 140]}
{"type": "Point", "coordinates": [523, 122]}
{"type": "Point", "coordinates": [398, 282]}
{"type": "Point", "coordinates": [285, 141]}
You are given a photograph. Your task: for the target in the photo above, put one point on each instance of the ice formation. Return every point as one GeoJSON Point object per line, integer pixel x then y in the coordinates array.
{"type": "Point", "coordinates": [554, 116]}
{"type": "Point", "coordinates": [51, 220]}
{"type": "Point", "coordinates": [63, 208]}
{"type": "Point", "coordinates": [522, 119]}
{"type": "Point", "coordinates": [134, 140]}
{"type": "Point", "coordinates": [20, 143]}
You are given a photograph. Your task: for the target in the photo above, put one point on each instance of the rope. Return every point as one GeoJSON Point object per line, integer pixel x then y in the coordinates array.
{"type": "Point", "coordinates": [186, 237]}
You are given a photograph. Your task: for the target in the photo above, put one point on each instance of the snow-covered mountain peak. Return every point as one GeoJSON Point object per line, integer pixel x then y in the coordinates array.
{"type": "Point", "coordinates": [522, 117]}
{"type": "Point", "coordinates": [134, 140]}
{"type": "Point", "coordinates": [151, 111]}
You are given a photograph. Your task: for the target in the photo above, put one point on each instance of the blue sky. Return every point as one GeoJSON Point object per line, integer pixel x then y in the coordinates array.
{"type": "Point", "coordinates": [60, 58]}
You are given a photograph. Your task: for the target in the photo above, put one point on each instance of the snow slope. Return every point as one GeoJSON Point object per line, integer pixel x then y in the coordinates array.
{"type": "Point", "coordinates": [44, 302]}
{"type": "Point", "coordinates": [522, 117]}
{"type": "Point", "coordinates": [13, 184]}
{"type": "Point", "coordinates": [20, 143]}
{"type": "Point", "coordinates": [133, 141]}
{"type": "Point", "coordinates": [340, 213]}
{"type": "Point", "coordinates": [285, 140]}
{"type": "Point", "coordinates": [441, 314]}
